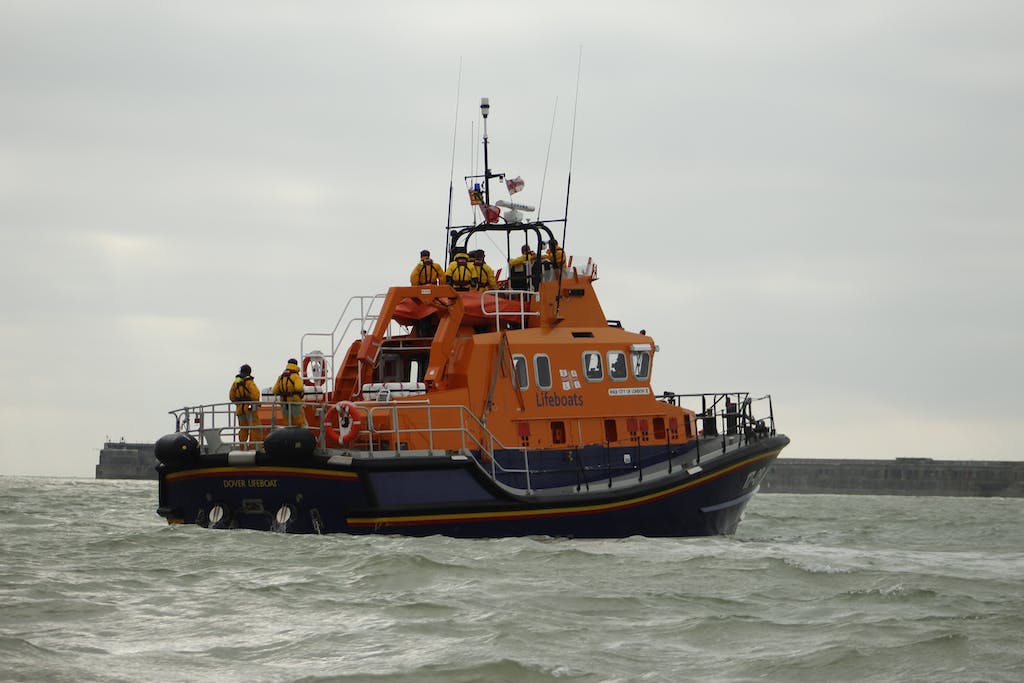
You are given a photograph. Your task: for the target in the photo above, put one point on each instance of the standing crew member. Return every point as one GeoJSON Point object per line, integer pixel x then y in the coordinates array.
{"type": "Point", "coordinates": [426, 271]}
{"type": "Point", "coordinates": [288, 388]}
{"type": "Point", "coordinates": [554, 253]}
{"type": "Point", "coordinates": [519, 268]}
{"type": "Point", "coordinates": [246, 396]}
{"type": "Point", "coordinates": [484, 275]}
{"type": "Point", "coordinates": [461, 274]}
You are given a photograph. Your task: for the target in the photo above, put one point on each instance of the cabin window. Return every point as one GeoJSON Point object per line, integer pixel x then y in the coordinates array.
{"type": "Point", "coordinates": [390, 368]}
{"type": "Point", "coordinates": [592, 368]}
{"type": "Point", "coordinates": [659, 428]}
{"type": "Point", "coordinates": [641, 363]}
{"type": "Point", "coordinates": [617, 365]}
{"type": "Point", "coordinates": [520, 376]}
{"type": "Point", "coordinates": [542, 368]}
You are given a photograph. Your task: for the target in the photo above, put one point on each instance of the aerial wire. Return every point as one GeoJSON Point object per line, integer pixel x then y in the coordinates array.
{"type": "Point", "coordinates": [451, 172]}
{"type": "Point", "coordinates": [547, 157]}
{"type": "Point", "coordinates": [572, 142]}
{"type": "Point", "coordinates": [568, 183]}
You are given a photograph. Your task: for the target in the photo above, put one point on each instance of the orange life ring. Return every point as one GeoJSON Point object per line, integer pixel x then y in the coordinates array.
{"type": "Point", "coordinates": [349, 418]}
{"type": "Point", "coordinates": [318, 376]}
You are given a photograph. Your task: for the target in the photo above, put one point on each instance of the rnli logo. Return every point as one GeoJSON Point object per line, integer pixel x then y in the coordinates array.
{"type": "Point", "coordinates": [552, 400]}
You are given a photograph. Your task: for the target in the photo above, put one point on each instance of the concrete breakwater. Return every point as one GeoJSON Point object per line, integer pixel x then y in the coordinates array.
{"type": "Point", "coordinates": [125, 460]}
{"type": "Point", "coordinates": [898, 477]}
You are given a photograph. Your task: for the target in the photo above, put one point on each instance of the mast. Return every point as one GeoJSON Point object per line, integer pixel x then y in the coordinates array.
{"type": "Point", "coordinates": [485, 109]}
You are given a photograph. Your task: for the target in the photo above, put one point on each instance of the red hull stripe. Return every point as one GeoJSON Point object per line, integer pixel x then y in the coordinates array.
{"type": "Point", "coordinates": [550, 512]}
{"type": "Point", "coordinates": [304, 472]}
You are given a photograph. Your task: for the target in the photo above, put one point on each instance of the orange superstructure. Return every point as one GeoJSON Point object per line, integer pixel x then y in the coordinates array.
{"type": "Point", "coordinates": [541, 369]}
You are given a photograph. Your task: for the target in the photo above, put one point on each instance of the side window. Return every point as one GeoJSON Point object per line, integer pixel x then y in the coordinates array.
{"type": "Point", "coordinates": [520, 377]}
{"type": "Point", "coordinates": [592, 368]}
{"type": "Point", "coordinates": [641, 363]}
{"type": "Point", "coordinates": [617, 365]}
{"type": "Point", "coordinates": [542, 367]}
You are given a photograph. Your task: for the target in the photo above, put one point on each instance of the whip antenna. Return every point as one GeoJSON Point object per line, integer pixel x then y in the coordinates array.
{"type": "Point", "coordinates": [568, 182]}
{"type": "Point", "coordinates": [572, 143]}
{"type": "Point", "coordinates": [544, 178]}
{"type": "Point", "coordinates": [455, 130]}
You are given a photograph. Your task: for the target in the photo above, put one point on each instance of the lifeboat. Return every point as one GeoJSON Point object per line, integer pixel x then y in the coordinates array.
{"type": "Point", "coordinates": [520, 409]}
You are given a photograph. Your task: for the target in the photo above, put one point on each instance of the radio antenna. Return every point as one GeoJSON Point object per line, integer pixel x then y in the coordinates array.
{"type": "Point", "coordinates": [547, 157]}
{"type": "Point", "coordinates": [455, 130]}
{"type": "Point", "coordinates": [568, 182]}
{"type": "Point", "coordinates": [572, 144]}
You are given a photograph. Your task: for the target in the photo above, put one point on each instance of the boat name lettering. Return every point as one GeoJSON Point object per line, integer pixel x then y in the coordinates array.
{"type": "Point", "coordinates": [250, 483]}
{"type": "Point", "coordinates": [552, 400]}
{"type": "Point", "coordinates": [629, 391]}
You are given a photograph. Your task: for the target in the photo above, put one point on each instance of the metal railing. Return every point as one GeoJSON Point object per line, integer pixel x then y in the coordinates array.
{"type": "Point", "coordinates": [721, 415]}
{"type": "Point", "coordinates": [216, 426]}
{"type": "Point", "coordinates": [518, 296]}
{"type": "Point", "coordinates": [350, 326]}
{"type": "Point", "coordinates": [416, 426]}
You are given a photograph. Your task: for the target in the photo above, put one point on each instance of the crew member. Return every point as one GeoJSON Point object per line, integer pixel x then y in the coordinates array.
{"type": "Point", "coordinates": [484, 275]}
{"type": "Point", "coordinates": [519, 268]}
{"type": "Point", "coordinates": [246, 396]}
{"type": "Point", "coordinates": [461, 274]}
{"type": "Point", "coordinates": [426, 271]}
{"type": "Point", "coordinates": [554, 253]}
{"type": "Point", "coordinates": [288, 388]}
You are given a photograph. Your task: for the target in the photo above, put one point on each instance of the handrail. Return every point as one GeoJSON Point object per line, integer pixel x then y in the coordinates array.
{"type": "Point", "coordinates": [474, 434]}
{"type": "Point", "coordinates": [217, 427]}
{"type": "Point", "coordinates": [519, 295]}
{"type": "Point", "coordinates": [735, 418]}
{"type": "Point", "coordinates": [212, 422]}
{"type": "Point", "coordinates": [368, 309]}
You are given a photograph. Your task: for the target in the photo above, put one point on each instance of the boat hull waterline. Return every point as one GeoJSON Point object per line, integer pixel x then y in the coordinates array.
{"type": "Point", "coordinates": [302, 499]}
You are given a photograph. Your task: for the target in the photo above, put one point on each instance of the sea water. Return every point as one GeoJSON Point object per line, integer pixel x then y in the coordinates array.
{"type": "Point", "coordinates": [94, 586]}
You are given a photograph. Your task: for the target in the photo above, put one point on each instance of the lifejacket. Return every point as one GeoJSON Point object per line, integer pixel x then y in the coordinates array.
{"type": "Point", "coordinates": [485, 277]}
{"type": "Point", "coordinates": [289, 385]}
{"type": "Point", "coordinates": [426, 273]}
{"type": "Point", "coordinates": [244, 392]}
{"type": "Point", "coordinates": [558, 258]}
{"type": "Point", "coordinates": [462, 276]}
{"type": "Point", "coordinates": [243, 389]}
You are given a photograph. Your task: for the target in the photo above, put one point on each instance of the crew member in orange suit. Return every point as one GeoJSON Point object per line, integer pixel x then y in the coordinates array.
{"type": "Point", "coordinates": [246, 396]}
{"type": "Point", "coordinates": [289, 389]}
{"type": "Point", "coordinates": [426, 271]}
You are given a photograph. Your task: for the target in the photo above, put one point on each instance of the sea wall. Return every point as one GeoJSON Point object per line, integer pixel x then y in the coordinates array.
{"type": "Point", "coordinates": [122, 460]}
{"type": "Point", "coordinates": [899, 477]}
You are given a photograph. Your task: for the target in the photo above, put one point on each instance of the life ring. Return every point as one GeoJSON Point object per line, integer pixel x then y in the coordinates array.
{"type": "Point", "coordinates": [349, 418]}
{"type": "Point", "coordinates": [314, 369]}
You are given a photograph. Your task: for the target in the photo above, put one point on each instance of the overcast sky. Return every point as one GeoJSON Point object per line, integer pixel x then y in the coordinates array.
{"type": "Point", "coordinates": [821, 201]}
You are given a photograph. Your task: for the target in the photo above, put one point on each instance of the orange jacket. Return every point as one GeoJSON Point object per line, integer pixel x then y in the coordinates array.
{"type": "Point", "coordinates": [289, 385]}
{"type": "Point", "coordinates": [243, 392]}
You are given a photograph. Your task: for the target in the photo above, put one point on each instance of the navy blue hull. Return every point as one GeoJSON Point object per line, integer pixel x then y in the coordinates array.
{"type": "Point", "coordinates": [455, 497]}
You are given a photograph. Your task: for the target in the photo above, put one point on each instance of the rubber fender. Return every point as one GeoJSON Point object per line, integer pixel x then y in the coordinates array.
{"type": "Point", "coordinates": [289, 443]}
{"type": "Point", "coordinates": [176, 448]}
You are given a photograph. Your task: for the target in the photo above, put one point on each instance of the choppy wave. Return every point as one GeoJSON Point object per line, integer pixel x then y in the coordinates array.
{"type": "Point", "coordinates": [94, 586]}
